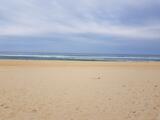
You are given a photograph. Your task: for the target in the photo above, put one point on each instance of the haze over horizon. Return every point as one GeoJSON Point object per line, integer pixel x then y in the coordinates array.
{"type": "Point", "coordinates": [80, 26]}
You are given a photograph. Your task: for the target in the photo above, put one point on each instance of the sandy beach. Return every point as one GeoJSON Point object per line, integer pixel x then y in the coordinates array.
{"type": "Point", "coordinates": [68, 90]}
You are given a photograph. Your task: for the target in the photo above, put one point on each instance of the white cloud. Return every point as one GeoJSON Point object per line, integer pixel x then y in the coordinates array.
{"type": "Point", "coordinates": [42, 18]}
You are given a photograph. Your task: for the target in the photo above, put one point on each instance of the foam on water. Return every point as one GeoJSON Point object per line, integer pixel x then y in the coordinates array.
{"type": "Point", "coordinates": [71, 56]}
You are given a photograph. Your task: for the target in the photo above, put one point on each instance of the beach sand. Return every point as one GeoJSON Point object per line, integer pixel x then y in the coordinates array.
{"type": "Point", "coordinates": [67, 90]}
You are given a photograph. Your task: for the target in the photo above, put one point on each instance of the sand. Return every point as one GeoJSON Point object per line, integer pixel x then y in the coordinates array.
{"type": "Point", "coordinates": [66, 90]}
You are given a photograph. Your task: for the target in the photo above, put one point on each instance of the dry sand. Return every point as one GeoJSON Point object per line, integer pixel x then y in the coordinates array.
{"type": "Point", "coordinates": [61, 90]}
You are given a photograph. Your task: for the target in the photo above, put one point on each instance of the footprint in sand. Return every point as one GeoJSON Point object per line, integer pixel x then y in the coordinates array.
{"type": "Point", "coordinates": [77, 108]}
{"type": "Point", "coordinates": [97, 78]}
{"type": "Point", "coordinates": [155, 86]}
{"type": "Point", "coordinates": [4, 106]}
{"type": "Point", "coordinates": [123, 86]}
{"type": "Point", "coordinates": [34, 110]}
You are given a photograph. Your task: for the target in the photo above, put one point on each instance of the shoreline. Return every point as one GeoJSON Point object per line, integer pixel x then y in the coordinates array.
{"type": "Point", "coordinates": [78, 61]}
{"type": "Point", "coordinates": [51, 63]}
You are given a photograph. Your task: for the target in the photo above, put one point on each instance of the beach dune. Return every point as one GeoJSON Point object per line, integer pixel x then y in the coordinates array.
{"type": "Point", "coordinates": [68, 90]}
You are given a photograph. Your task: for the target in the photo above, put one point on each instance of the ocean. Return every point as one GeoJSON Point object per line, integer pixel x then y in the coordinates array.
{"type": "Point", "coordinates": [77, 56]}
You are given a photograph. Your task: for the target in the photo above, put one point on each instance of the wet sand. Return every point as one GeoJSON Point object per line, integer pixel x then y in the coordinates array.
{"type": "Point", "coordinates": [65, 90]}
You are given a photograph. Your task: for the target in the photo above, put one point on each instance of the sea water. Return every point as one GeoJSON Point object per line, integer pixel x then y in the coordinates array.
{"type": "Point", "coordinates": [77, 56]}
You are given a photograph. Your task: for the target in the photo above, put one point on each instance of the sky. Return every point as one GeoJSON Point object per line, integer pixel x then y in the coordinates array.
{"type": "Point", "coordinates": [80, 26]}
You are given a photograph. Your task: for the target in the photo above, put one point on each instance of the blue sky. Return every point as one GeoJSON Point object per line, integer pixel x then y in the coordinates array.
{"type": "Point", "coordinates": [88, 26]}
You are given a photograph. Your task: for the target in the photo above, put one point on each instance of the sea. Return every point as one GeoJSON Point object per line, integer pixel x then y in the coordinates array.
{"type": "Point", "coordinates": [77, 56]}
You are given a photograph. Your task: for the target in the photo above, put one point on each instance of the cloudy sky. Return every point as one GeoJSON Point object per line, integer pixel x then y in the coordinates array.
{"type": "Point", "coordinates": [87, 26]}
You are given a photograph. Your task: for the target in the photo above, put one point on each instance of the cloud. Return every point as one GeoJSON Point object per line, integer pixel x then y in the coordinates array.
{"type": "Point", "coordinates": [127, 19]}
